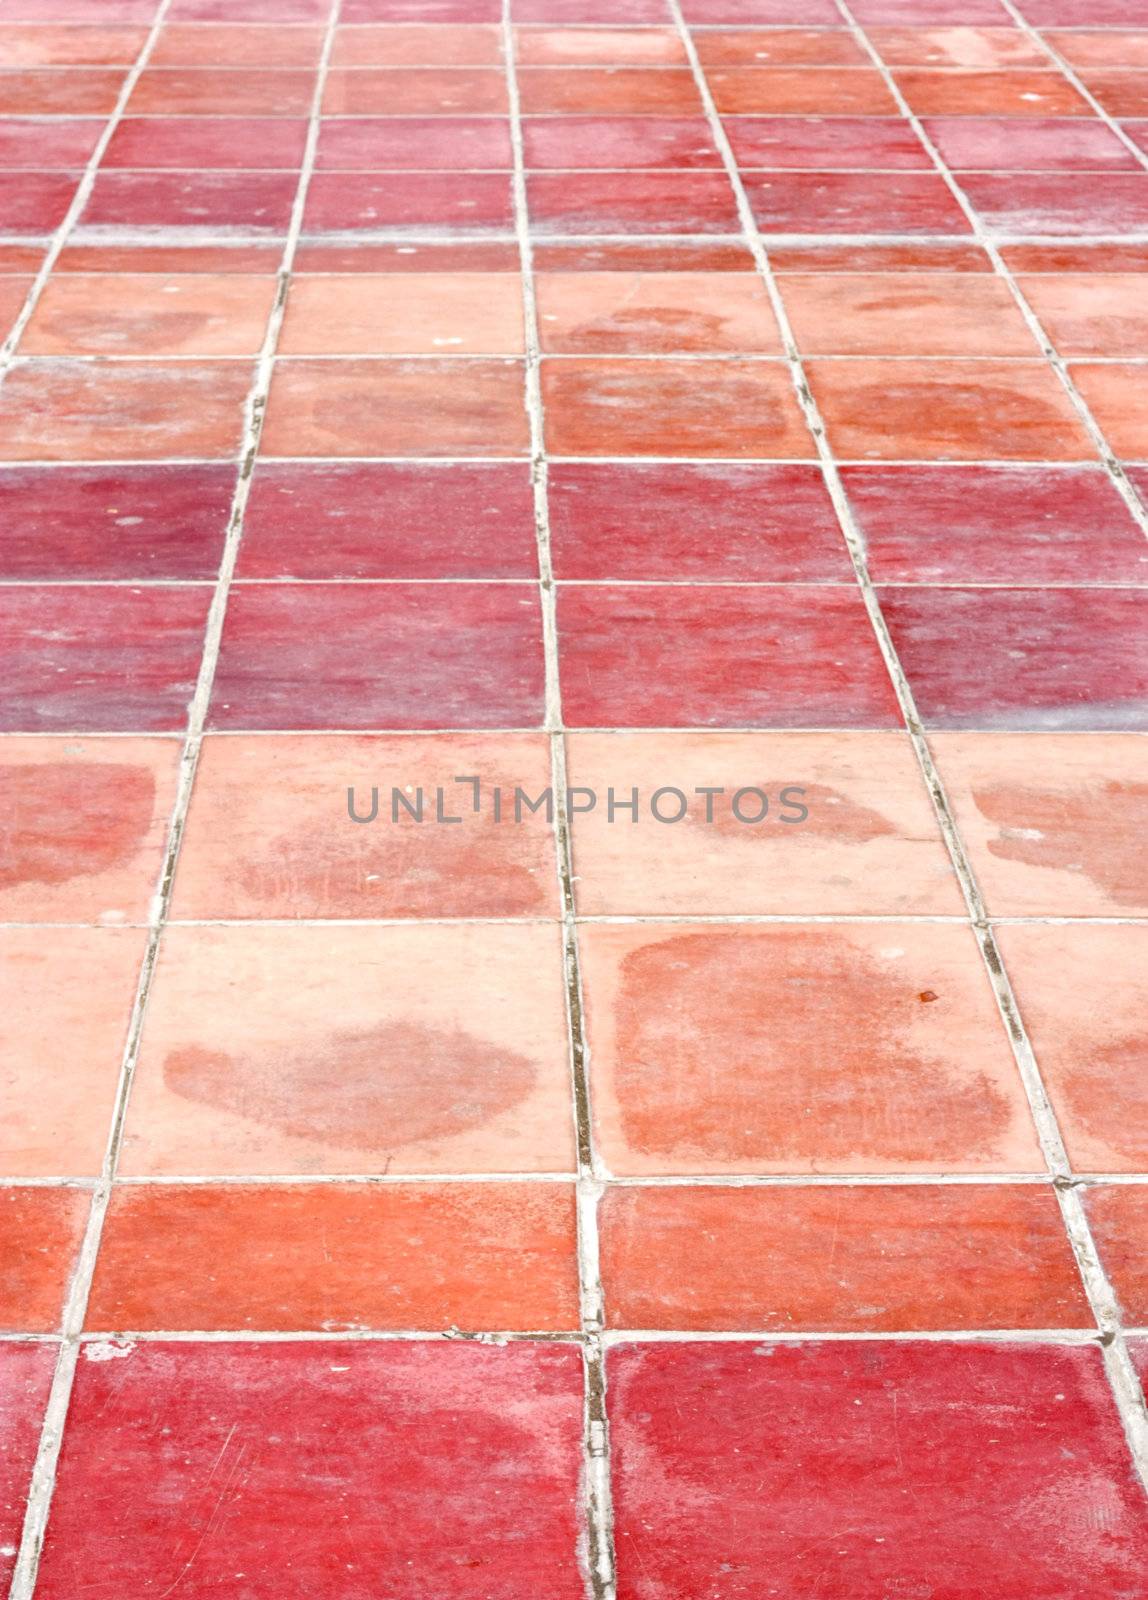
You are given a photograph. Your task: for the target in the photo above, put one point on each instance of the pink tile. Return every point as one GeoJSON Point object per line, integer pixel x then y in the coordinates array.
{"type": "Point", "coordinates": [1058, 203]}
{"type": "Point", "coordinates": [25, 1379]}
{"type": "Point", "coordinates": [365, 202]}
{"type": "Point", "coordinates": [421, 143]}
{"type": "Point", "coordinates": [258, 203]}
{"type": "Point", "coordinates": [826, 142]}
{"type": "Point", "coordinates": [33, 142]}
{"type": "Point", "coordinates": [631, 202]}
{"type": "Point", "coordinates": [854, 202]}
{"type": "Point", "coordinates": [1068, 144]}
{"type": "Point", "coordinates": [215, 142]}
{"type": "Point", "coordinates": [35, 202]}
{"type": "Point", "coordinates": [613, 142]}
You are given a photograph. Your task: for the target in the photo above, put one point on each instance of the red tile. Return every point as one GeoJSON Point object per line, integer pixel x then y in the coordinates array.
{"type": "Point", "coordinates": [841, 1259]}
{"type": "Point", "coordinates": [975, 524]}
{"type": "Point", "coordinates": [1121, 94]}
{"type": "Point", "coordinates": [91, 659]}
{"type": "Point", "coordinates": [113, 522]}
{"type": "Point", "coordinates": [613, 142]}
{"type": "Point", "coordinates": [445, 1470]}
{"type": "Point", "coordinates": [278, 11]}
{"type": "Point", "coordinates": [40, 1234]}
{"type": "Point", "coordinates": [631, 202]}
{"type": "Point", "coordinates": [854, 202]}
{"type": "Point", "coordinates": [930, 1469]}
{"type": "Point", "coordinates": [25, 1379]}
{"type": "Point", "coordinates": [417, 44]}
{"type": "Point", "coordinates": [221, 92]}
{"type": "Point", "coordinates": [1119, 1217]}
{"type": "Point", "coordinates": [1042, 144]}
{"type": "Point", "coordinates": [383, 520]}
{"type": "Point", "coordinates": [255, 202]}
{"type": "Point", "coordinates": [763, 13]}
{"type": "Point", "coordinates": [800, 91]}
{"type": "Point", "coordinates": [215, 142]}
{"type": "Point", "coordinates": [254, 44]}
{"type": "Point", "coordinates": [603, 91]}
{"type": "Point", "coordinates": [620, 521]}
{"type": "Point", "coordinates": [460, 655]}
{"type": "Point", "coordinates": [838, 141]}
{"type": "Point", "coordinates": [67, 91]}
{"type": "Point", "coordinates": [336, 1256]}
{"type": "Point", "coordinates": [364, 202]}
{"type": "Point", "coordinates": [414, 91]}
{"type": "Point", "coordinates": [1013, 92]}
{"type": "Point", "coordinates": [35, 202]}
{"type": "Point", "coordinates": [795, 47]}
{"type": "Point", "coordinates": [673, 657]}
{"type": "Point", "coordinates": [1024, 658]}
{"type": "Point", "coordinates": [420, 143]}
{"type": "Point", "coordinates": [1059, 203]}
{"type": "Point", "coordinates": [32, 142]}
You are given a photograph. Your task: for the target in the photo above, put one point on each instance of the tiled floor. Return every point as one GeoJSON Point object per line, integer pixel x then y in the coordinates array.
{"type": "Point", "coordinates": [573, 791]}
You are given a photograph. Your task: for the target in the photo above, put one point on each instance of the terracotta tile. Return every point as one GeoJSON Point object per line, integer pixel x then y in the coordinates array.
{"type": "Point", "coordinates": [417, 143]}
{"type": "Point", "coordinates": [1083, 13]}
{"type": "Point", "coordinates": [221, 91]}
{"type": "Point", "coordinates": [358, 1464]}
{"type": "Point", "coordinates": [841, 1259]}
{"type": "Point", "coordinates": [389, 520]}
{"type": "Point", "coordinates": [423, 11]}
{"type": "Point", "coordinates": [83, 825]}
{"type": "Point", "coordinates": [926, 314]}
{"type": "Point", "coordinates": [73, 411]}
{"type": "Point", "coordinates": [217, 142]}
{"type": "Point", "coordinates": [929, 13]}
{"type": "Point", "coordinates": [25, 1379]}
{"type": "Point", "coordinates": [94, 659]}
{"type": "Point", "coordinates": [36, 202]}
{"type": "Point", "coordinates": [1058, 203]}
{"type": "Point", "coordinates": [1121, 94]}
{"type": "Point", "coordinates": [403, 655]}
{"type": "Point", "coordinates": [800, 91]}
{"type": "Point", "coordinates": [592, 11]}
{"type": "Point", "coordinates": [269, 833]}
{"type": "Point", "coordinates": [720, 657]}
{"type": "Point", "coordinates": [1087, 314]}
{"type": "Point", "coordinates": [1101, 49]}
{"type": "Point", "coordinates": [150, 315]}
{"type": "Point", "coordinates": [642, 255]}
{"type": "Point", "coordinates": [222, 203]}
{"type": "Point", "coordinates": [333, 1256]}
{"type": "Point", "coordinates": [883, 1465]}
{"type": "Point", "coordinates": [655, 313]}
{"type": "Point", "coordinates": [790, 47]}
{"type": "Point", "coordinates": [827, 142]}
{"type": "Point", "coordinates": [68, 995]}
{"type": "Point", "coordinates": [631, 202]}
{"type": "Point", "coordinates": [66, 91]}
{"type": "Point", "coordinates": [13, 293]}
{"type": "Point", "coordinates": [249, 10]}
{"type": "Point", "coordinates": [353, 254]}
{"type": "Point", "coordinates": [40, 1234]}
{"type": "Point", "coordinates": [471, 313]}
{"type": "Point", "coordinates": [614, 142]}
{"type": "Point", "coordinates": [448, 1052]}
{"type": "Point", "coordinates": [854, 202]}
{"type": "Point", "coordinates": [417, 45]}
{"type": "Point", "coordinates": [1116, 397]}
{"type": "Point", "coordinates": [905, 1067]}
{"type": "Point", "coordinates": [632, 520]}
{"type": "Point", "coordinates": [947, 411]}
{"type": "Point", "coordinates": [665, 407]}
{"type": "Point", "coordinates": [1008, 524]}
{"type": "Point", "coordinates": [411, 408]}
{"type": "Point", "coordinates": [176, 255]}
{"type": "Point", "coordinates": [26, 45]}
{"type": "Point", "coordinates": [594, 91]}
{"type": "Point", "coordinates": [1011, 93]}
{"type": "Point", "coordinates": [414, 91]}
{"type": "Point", "coordinates": [1119, 1218]}
{"type": "Point", "coordinates": [1043, 659]}
{"type": "Point", "coordinates": [867, 844]}
{"type": "Point", "coordinates": [762, 13]}
{"type": "Point", "coordinates": [30, 142]}
{"type": "Point", "coordinates": [956, 46]}
{"type": "Point", "coordinates": [598, 47]}
{"type": "Point", "coordinates": [1049, 144]}
{"type": "Point", "coordinates": [1053, 822]}
{"type": "Point", "coordinates": [248, 44]}
{"type": "Point", "coordinates": [366, 202]}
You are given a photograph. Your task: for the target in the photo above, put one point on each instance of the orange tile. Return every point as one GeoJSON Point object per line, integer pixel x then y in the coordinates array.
{"type": "Point", "coordinates": [83, 826]}
{"type": "Point", "coordinates": [790, 47]}
{"type": "Point", "coordinates": [1119, 1218]}
{"type": "Point", "coordinates": [149, 315]}
{"type": "Point", "coordinates": [464, 313]}
{"type": "Point", "coordinates": [622, 91]}
{"type": "Point", "coordinates": [272, 1050]}
{"type": "Point", "coordinates": [1054, 823]}
{"type": "Point", "coordinates": [947, 411]}
{"type": "Point", "coordinates": [1093, 1056]}
{"type": "Point", "coordinates": [839, 1259]}
{"type": "Point", "coordinates": [1091, 314]}
{"type": "Point", "coordinates": [40, 1234]}
{"type": "Point", "coordinates": [905, 313]}
{"type": "Point", "coordinates": [801, 91]}
{"type": "Point", "coordinates": [868, 845]}
{"type": "Point", "coordinates": [68, 995]}
{"type": "Point", "coordinates": [655, 313]}
{"type": "Point", "coordinates": [1013, 93]}
{"type": "Point", "coordinates": [1117, 396]}
{"type": "Point", "coordinates": [800, 1048]}
{"type": "Point", "coordinates": [474, 1256]}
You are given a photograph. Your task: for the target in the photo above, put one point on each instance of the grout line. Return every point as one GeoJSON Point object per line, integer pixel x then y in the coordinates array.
{"type": "Point", "coordinates": [1128, 1397]}
{"type": "Point", "coordinates": [609, 919]}
{"type": "Point", "coordinates": [47, 1457]}
{"type": "Point", "coordinates": [613, 1336]}
{"type": "Point", "coordinates": [800, 585]}
{"type": "Point", "coordinates": [598, 1552]}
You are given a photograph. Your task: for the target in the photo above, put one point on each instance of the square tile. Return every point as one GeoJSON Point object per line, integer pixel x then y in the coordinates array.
{"type": "Point", "coordinates": [827, 142]}
{"type": "Point", "coordinates": [243, 1072]}
{"type": "Point", "coordinates": [26, 45]}
{"type": "Point", "coordinates": [243, 143]}
{"type": "Point", "coordinates": [1118, 1214]}
{"type": "Point", "coordinates": [68, 996]}
{"type": "Point", "coordinates": [1091, 314]}
{"type": "Point", "coordinates": [470, 204]}
{"type": "Point", "coordinates": [25, 1379]}
{"type": "Point", "coordinates": [250, 44]}
{"type": "Point", "coordinates": [956, 45]}
{"type": "Point", "coordinates": [598, 47]}
{"type": "Point", "coordinates": [392, 655]}
{"type": "Point", "coordinates": [617, 142]}
{"type": "Point", "coordinates": [83, 826]}
{"type": "Point", "coordinates": [655, 313]}
{"type": "Point", "coordinates": [417, 143]}
{"type": "Point", "coordinates": [971, 410]}
{"type": "Point", "coordinates": [148, 314]}
{"type": "Point", "coordinates": [94, 659]}
{"type": "Point", "coordinates": [867, 844]}
{"type": "Point", "coordinates": [414, 91]}
{"type": "Point", "coordinates": [1043, 659]}
{"type": "Point", "coordinates": [1121, 94]}
{"type": "Point", "coordinates": [631, 202]}
{"type": "Point", "coordinates": [781, 47]}
{"type": "Point", "coordinates": [843, 1259]}
{"type": "Point", "coordinates": [400, 408]}
{"type": "Point", "coordinates": [1057, 203]}
{"type": "Point", "coordinates": [784, 656]}
{"type": "Point", "coordinates": [905, 313]}
{"type": "Point", "coordinates": [389, 520]}
{"type": "Point", "coordinates": [32, 142]}
{"type": "Point", "coordinates": [221, 91]}
{"type": "Point", "coordinates": [762, 13]}
{"type": "Point", "coordinates": [904, 1064]}
{"type": "Point", "coordinates": [929, 13]}
{"type": "Point", "coordinates": [854, 202]}
{"type": "Point", "coordinates": [1053, 822]}
{"type": "Point", "coordinates": [672, 408]}
{"type": "Point", "coordinates": [1011, 93]}
{"type": "Point", "coordinates": [41, 1230]}
{"type": "Point", "coordinates": [888, 1461]}
{"type": "Point", "coordinates": [417, 44]}
{"type": "Point", "coordinates": [459, 1463]}
{"type": "Point", "coordinates": [1052, 144]}
{"type": "Point", "coordinates": [800, 91]}
{"type": "Point", "coordinates": [36, 202]}
{"type": "Point", "coordinates": [1101, 48]}
{"type": "Point", "coordinates": [212, 204]}
{"type": "Point", "coordinates": [471, 313]}
{"type": "Point", "coordinates": [67, 91]}
{"type": "Point", "coordinates": [324, 1257]}
{"type": "Point", "coordinates": [597, 91]}
{"type": "Point", "coordinates": [269, 833]}
{"type": "Point", "coordinates": [1115, 395]}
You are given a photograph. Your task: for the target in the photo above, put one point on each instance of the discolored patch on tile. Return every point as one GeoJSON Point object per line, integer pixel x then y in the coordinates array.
{"type": "Point", "coordinates": [150, 315]}
{"type": "Point", "coordinates": [905, 314]}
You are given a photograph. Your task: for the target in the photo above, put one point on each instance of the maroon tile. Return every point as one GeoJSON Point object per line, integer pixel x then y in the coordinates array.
{"type": "Point", "coordinates": [113, 522]}
{"type": "Point", "coordinates": [418, 143]}
{"type": "Point", "coordinates": [1024, 658]}
{"type": "Point", "coordinates": [257, 202]}
{"type": "Point", "coordinates": [825, 142]}
{"type": "Point", "coordinates": [91, 659]}
{"type": "Point", "coordinates": [1048, 144]}
{"type": "Point", "coordinates": [677, 657]}
{"type": "Point", "coordinates": [854, 202]}
{"type": "Point", "coordinates": [394, 655]}
{"type": "Point", "coordinates": [36, 142]}
{"type": "Point", "coordinates": [569, 142]}
{"type": "Point", "coordinates": [197, 142]}
{"type": "Point", "coordinates": [631, 202]}
{"type": "Point", "coordinates": [25, 1378]}
{"type": "Point", "coordinates": [383, 520]}
{"type": "Point", "coordinates": [35, 202]}
{"type": "Point", "coordinates": [1059, 203]}
{"type": "Point", "coordinates": [917, 1469]}
{"type": "Point", "coordinates": [363, 202]}
{"type": "Point", "coordinates": [634, 520]}
{"type": "Point", "coordinates": [1007, 524]}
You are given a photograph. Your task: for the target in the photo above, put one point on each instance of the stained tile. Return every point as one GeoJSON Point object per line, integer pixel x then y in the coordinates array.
{"type": "Point", "coordinates": [368, 202]}
{"type": "Point", "coordinates": [83, 825]}
{"type": "Point", "coordinates": [827, 142]}
{"type": "Point", "coordinates": [414, 91]}
{"type": "Point", "coordinates": [594, 91]}
{"type": "Point", "coordinates": [1057, 203]}
{"type": "Point", "coordinates": [221, 91]}
{"type": "Point", "coordinates": [248, 44]}
{"type": "Point", "coordinates": [461, 655]}
{"type": "Point", "coordinates": [671, 408]}
{"type": "Point", "coordinates": [332, 1256]}
{"type": "Point", "coordinates": [854, 202]}
{"type": "Point", "coordinates": [655, 313]}
{"type": "Point", "coordinates": [1121, 94]}
{"type": "Point", "coordinates": [68, 995]}
{"type": "Point", "coordinates": [150, 315]}
{"type": "Point", "coordinates": [30, 142]}
{"type": "Point", "coordinates": [25, 1379]}
{"type": "Point", "coordinates": [1043, 659]}
{"type": "Point", "coordinates": [618, 142]}
{"type": "Point", "coordinates": [216, 142]}
{"type": "Point", "coordinates": [957, 45]}
{"type": "Point", "coordinates": [35, 202]}
{"type": "Point", "coordinates": [65, 91]}
{"type": "Point", "coordinates": [1052, 144]}
{"type": "Point", "coordinates": [256, 203]}
{"type": "Point", "coordinates": [1116, 396]}
{"type": "Point", "coordinates": [800, 91]}
{"type": "Point", "coordinates": [417, 44]}
{"type": "Point", "coordinates": [1086, 314]}
{"type": "Point", "coordinates": [841, 1259]}
{"type": "Point", "coordinates": [269, 832]}
{"type": "Point", "coordinates": [1054, 823]}
{"type": "Point", "coordinates": [925, 314]}
{"type": "Point", "coordinates": [929, 13]}
{"type": "Point", "coordinates": [598, 47]}
{"type": "Point", "coordinates": [888, 1461]}
{"type": "Point", "coordinates": [358, 1464]}
{"type": "Point", "coordinates": [631, 202]}
{"type": "Point", "coordinates": [28, 45]}
{"type": "Point", "coordinates": [1101, 49]}
{"type": "Point", "coordinates": [1011, 93]}
{"type": "Point", "coordinates": [1119, 1218]}
{"type": "Point", "coordinates": [41, 1230]}
{"type": "Point", "coordinates": [470, 313]}
{"type": "Point", "coordinates": [418, 143]}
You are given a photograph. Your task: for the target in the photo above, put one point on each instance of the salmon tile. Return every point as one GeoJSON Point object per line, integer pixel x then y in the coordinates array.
{"type": "Point", "coordinates": [621, 91]}
{"type": "Point", "coordinates": [414, 91]}
{"type": "Point", "coordinates": [655, 313]}
{"type": "Point", "coordinates": [150, 315]}
{"type": "Point", "coordinates": [1012, 93]}
{"type": "Point", "coordinates": [906, 313]}
{"type": "Point", "coordinates": [781, 47]}
{"type": "Point", "coordinates": [614, 142]}
{"type": "Point", "coordinates": [1118, 1215]}
{"type": "Point", "coordinates": [1091, 314]}
{"type": "Point", "coordinates": [420, 314]}
{"type": "Point", "coordinates": [25, 44]}
{"type": "Point", "coordinates": [957, 45]}
{"type": "Point", "coordinates": [801, 91]}
{"type": "Point", "coordinates": [222, 91]}
{"type": "Point", "coordinates": [1114, 393]}
{"type": "Point", "coordinates": [64, 91]}
{"type": "Point", "coordinates": [539, 46]}
{"type": "Point", "coordinates": [417, 44]}
{"type": "Point", "coordinates": [265, 45]}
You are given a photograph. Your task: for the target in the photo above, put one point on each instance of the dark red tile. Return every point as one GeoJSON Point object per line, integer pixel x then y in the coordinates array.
{"type": "Point", "coordinates": [418, 143]}
{"type": "Point", "coordinates": [363, 202]}
{"type": "Point", "coordinates": [631, 202]}
{"type": "Point", "coordinates": [256, 202]}
{"type": "Point", "coordinates": [825, 142]}
{"type": "Point", "coordinates": [35, 202]}
{"type": "Point", "coordinates": [613, 142]}
{"type": "Point", "coordinates": [380, 520]}
{"type": "Point", "coordinates": [193, 143]}
{"type": "Point", "coordinates": [90, 659]}
{"type": "Point", "coordinates": [1002, 524]}
{"type": "Point", "coordinates": [25, 1378]}
{"type": "Point", "coordinates": [34, 142]}
{"type": "Point", "coordinates": [311, 1470]}
{"type": "Point", "coordinates": [618, 521]}
{"type": "Point", "coordinates": [676, 657]}
{"type": "Point", "coordinates": [1059, 203]}
{"type": "Point", "coordinates": [1040, 659]}
{"type": "Point", "coordinates": [113, 522]}
{"type": "Point", "coordinates": [919, 1469]}
{"type": "Point", "coordinates": [854, 202]}
{"type": "Point", "coordinates": [456, 655]}
{"type": "Point", "coordinates": [1052, 144]}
